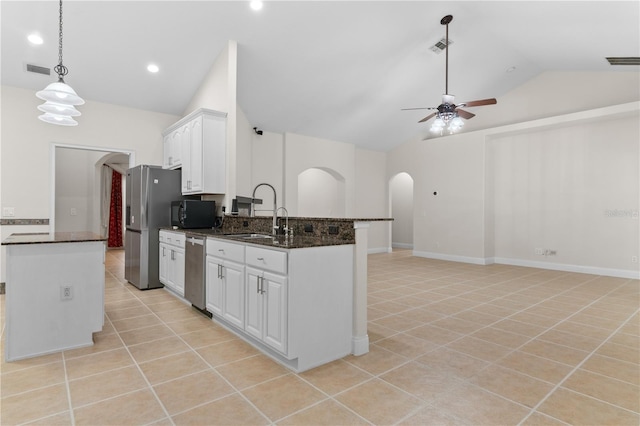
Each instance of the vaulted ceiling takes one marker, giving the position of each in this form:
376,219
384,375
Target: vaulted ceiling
340,70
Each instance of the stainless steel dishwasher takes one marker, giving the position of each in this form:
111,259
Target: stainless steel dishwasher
194,281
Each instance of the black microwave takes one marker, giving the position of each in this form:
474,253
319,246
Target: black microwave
193,214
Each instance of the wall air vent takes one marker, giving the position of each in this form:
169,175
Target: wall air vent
624,60
439,46
38,70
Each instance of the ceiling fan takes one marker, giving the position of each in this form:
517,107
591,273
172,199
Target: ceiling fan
448,113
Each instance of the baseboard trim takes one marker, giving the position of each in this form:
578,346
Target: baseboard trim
378,250
593,270
360,345
451,257
402,245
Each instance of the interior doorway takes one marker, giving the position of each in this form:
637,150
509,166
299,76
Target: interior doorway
77,185
321,193
401,209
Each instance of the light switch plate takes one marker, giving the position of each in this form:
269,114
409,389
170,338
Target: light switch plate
8,212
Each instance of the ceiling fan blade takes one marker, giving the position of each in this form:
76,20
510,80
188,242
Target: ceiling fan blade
480,102
465,114
427,117
411,109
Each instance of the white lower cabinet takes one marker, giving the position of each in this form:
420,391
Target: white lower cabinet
266,313
293,304
225,274
172,261
225,290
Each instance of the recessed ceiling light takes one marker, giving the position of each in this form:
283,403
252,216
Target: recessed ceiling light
35,39
256,4
153,68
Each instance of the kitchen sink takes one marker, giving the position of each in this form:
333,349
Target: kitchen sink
252,236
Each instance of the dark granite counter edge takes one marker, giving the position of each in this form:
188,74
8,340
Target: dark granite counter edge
325,219
56,237
9,222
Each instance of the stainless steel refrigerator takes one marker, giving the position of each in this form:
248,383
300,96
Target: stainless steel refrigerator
150,191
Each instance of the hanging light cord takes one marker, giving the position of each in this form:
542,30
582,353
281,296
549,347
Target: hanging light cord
60,69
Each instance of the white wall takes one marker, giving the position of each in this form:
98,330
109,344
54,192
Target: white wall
484,205
75,190
573,190
320,194
267,164
26,143
371,196
305,152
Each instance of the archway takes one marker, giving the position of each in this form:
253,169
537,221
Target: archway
401,209
321,193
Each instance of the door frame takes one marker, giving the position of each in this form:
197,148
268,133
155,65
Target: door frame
52,171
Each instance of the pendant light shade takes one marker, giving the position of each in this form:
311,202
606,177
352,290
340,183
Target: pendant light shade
60,120
59,97
60,93
59,109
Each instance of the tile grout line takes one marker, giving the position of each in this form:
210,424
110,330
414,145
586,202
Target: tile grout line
585,359
155,395
574,286
68,389
214,369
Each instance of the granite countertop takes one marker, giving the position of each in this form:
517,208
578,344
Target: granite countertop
279,241
308,231
48,238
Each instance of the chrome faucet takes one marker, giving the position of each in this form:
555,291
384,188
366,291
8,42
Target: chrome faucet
286,224
253,201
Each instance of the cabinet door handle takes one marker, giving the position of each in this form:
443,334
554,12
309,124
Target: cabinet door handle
173,255
258,285
163,252
261,285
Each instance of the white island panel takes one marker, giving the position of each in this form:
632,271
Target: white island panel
39,318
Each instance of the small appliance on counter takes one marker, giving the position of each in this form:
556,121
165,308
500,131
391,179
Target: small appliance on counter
190,214
241,206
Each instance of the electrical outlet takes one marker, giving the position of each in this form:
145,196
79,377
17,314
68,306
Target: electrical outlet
73,211
634,259
539,251
8,212
66,292
550,252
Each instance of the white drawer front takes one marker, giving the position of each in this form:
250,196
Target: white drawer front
225,250
173,238
273,260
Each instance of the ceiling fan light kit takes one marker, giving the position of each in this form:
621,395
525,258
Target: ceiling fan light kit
60,99
448,115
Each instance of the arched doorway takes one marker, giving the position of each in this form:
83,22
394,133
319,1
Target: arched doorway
401,206
321,193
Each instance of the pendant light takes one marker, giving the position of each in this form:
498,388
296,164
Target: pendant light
60,97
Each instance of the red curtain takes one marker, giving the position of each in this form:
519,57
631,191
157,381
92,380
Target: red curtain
115,212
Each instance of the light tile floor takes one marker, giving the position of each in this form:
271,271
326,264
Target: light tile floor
451,343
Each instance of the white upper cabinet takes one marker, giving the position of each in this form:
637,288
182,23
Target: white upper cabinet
172,149
201,138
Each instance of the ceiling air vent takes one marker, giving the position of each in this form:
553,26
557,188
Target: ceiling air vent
439,46
38,70
624,60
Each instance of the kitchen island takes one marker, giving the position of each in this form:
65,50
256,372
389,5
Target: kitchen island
54,292
317,277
